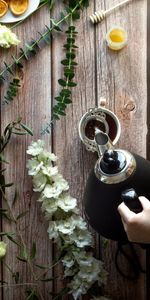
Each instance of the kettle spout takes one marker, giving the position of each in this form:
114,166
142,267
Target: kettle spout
103,142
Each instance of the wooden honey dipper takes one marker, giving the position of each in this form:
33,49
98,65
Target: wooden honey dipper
100,15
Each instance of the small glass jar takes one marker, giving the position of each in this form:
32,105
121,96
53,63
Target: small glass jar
116,38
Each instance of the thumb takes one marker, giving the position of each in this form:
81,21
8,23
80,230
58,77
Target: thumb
145,202
125,212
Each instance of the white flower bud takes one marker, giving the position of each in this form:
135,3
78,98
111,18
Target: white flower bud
3,249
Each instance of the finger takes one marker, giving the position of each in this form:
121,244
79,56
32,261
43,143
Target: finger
145,202
125,212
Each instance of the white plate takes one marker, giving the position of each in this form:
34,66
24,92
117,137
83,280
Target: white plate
10,18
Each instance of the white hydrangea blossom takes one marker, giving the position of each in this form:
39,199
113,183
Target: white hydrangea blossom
7,37
66,226
67,203
36,148
39,182
34,167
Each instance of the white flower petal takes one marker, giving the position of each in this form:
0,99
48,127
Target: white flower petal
39,182
36,148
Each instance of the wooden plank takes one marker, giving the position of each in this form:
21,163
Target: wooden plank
122,80
74,161
33,104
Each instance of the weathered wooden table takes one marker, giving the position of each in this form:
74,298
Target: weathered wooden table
120,77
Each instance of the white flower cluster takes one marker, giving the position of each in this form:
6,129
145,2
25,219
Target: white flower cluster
65,224
7,37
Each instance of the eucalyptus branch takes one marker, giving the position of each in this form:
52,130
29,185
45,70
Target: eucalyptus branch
31,48
69,63
13,87
18,284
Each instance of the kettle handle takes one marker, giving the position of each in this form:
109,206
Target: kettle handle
130,198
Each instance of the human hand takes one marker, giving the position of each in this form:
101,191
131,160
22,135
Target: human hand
137,226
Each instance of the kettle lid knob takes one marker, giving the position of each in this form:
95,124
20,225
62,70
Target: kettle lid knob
112,162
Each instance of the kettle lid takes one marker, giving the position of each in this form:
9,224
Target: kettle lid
98,118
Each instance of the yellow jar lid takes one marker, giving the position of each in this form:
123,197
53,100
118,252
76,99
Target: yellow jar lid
116,38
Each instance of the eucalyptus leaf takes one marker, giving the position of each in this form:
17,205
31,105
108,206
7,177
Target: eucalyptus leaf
26,128
13,240
62,82
16,277
24,253
21,259
33,251
21,215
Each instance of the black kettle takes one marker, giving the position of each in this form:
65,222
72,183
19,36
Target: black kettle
116,176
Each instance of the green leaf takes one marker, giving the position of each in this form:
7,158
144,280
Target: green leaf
16,277
67,100
3,159
21,215
24,253
70,55
55,116
8,184
70,40
65,62
6,234
33,251
41,267
21,259
73,63
65,92
15,197
49,279
26,128
62,106
62,82
4,213
56,27
69,73
58,98
31,294
75,15
62,113
72,84
18,132
13,240
8,68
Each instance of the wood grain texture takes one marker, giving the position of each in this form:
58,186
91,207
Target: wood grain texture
120,77
33,104
66,143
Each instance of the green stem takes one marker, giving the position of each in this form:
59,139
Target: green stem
10,270
41,38
18,284
45,272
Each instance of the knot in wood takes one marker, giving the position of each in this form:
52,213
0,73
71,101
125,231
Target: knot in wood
129,106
